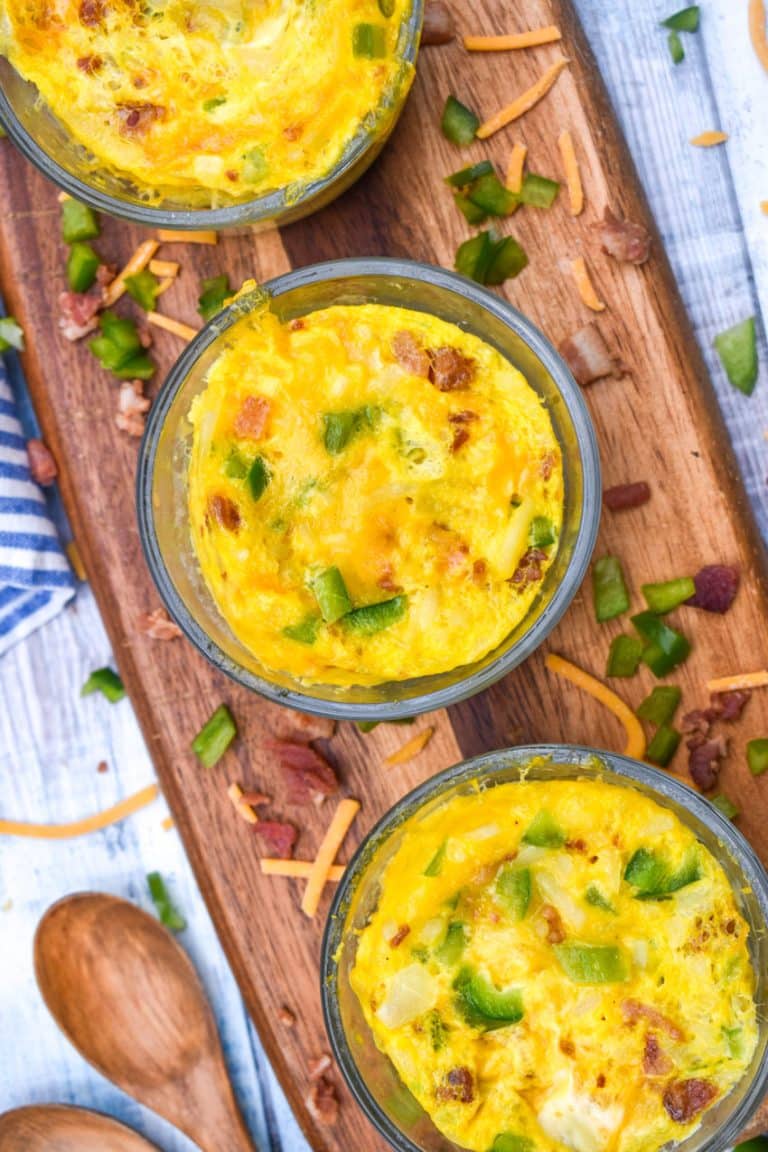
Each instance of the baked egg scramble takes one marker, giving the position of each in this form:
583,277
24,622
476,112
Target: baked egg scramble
558,965
235,98
374,494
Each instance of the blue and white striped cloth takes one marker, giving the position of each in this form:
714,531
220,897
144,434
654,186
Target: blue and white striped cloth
35,578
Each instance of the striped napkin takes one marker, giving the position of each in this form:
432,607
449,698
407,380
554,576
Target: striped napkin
35,578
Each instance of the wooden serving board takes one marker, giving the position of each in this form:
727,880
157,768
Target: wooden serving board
659,423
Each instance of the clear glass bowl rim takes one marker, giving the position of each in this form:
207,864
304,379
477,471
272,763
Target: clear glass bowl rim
586,441
268,207
583,759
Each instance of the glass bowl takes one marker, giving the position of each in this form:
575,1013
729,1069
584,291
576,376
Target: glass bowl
164,453
44,140
387,1103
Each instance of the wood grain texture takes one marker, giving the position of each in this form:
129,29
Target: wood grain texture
55,1128
658,423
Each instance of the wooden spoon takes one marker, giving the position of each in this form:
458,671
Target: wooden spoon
127,997
56,1128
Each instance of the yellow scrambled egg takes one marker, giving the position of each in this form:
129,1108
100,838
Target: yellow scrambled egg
374,494
237,97
558,965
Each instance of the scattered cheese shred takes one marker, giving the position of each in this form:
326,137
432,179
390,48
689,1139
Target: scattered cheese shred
103,819
532,39
170,325
764,206
164,267
299,869
585,286
572,174
167,823
516,167
635,745
709,139
164,285
137,262
740,682
411,748
169,236
524,102
235,794
332,841
76,560
757,31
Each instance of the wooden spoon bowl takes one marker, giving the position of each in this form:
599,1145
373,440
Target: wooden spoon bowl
57,1128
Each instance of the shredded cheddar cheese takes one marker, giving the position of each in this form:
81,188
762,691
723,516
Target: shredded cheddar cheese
764,206
235,794
740,682
298,869
164,285
137,262
635,745
332,841
76,560
516,167
410,749
532,39
709,139
757,31
164,267
94,823
524,102
572,174
175,326
168,236
167,823
585,286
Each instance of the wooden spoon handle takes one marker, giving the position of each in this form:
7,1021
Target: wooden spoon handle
213,1119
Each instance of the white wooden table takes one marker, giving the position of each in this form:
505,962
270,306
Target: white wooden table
707,204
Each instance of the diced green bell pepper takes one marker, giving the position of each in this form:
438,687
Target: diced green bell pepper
387,8
342,427
513,886
538,191
466,176
471,213
369,40
512,1142
305,632
662,598
452,947
215,737
11,334
372,618
594,896
544,831
436,1029
541,532
255,166
435,866
737,349
624,656
757,756
663,745
143,288
474,257
592,963
666,647
78,222
659,708
213,102
686,20
106,681
484,1005
215,291
258,478
725,805
609,590
235,466
82,265
675,46
489,194
459,123
508,260
166,910
652,877
331,594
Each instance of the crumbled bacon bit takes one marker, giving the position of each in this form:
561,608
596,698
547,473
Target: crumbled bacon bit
386,580
42,465
634,1010
586,354
400,935
132,407
92,12
479,571
555,929
621,497
705,760
319,1065
600,1080
457,1085
566,1046
460,437
251,420
464,417
224,511
438,27
90,65
139,81
305,770
232,174
279,836
626,241
137,118
256,799
285,1016
699,720
716,588
684,1099
529,569
576,845
297,324
293,131
410,353
546,465
288,724
655,1060
728,706
78,314
322,1101
157,625
102,766
450,370
105,274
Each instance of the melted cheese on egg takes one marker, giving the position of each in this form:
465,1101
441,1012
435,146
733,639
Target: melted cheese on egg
433,501
606,1064
234,98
